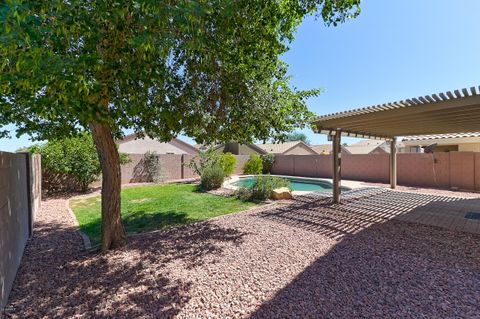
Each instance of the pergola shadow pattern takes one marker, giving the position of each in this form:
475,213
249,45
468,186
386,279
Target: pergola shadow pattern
362,208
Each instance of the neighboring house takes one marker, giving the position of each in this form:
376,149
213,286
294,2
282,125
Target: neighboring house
130,144
326,149
462,142
368,147
241,149
322,149
288,148
234,148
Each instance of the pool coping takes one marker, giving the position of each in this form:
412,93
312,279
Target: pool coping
347,183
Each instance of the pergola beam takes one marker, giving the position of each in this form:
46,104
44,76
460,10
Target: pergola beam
393,163
457,112
337,166
409,110
441,114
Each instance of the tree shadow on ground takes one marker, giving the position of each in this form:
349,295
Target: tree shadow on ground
381,267
140,222
58,279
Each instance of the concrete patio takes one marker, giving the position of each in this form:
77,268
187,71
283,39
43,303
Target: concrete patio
367,206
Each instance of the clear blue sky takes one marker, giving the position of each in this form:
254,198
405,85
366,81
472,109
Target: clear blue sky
393,50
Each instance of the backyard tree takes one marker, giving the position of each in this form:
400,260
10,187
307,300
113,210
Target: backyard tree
297,136
207,68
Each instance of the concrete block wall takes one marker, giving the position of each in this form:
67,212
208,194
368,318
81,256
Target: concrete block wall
20,191
459,170
172,165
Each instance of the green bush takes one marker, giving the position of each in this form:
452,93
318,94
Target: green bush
203,160
210,158
261,188
228,162
253,165
212,177
267,163
70,164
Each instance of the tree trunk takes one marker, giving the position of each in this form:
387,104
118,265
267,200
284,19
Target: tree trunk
113,233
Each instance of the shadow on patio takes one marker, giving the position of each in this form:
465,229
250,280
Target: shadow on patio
365,207
381,266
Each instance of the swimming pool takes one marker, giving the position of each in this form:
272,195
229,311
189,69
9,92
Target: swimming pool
295,184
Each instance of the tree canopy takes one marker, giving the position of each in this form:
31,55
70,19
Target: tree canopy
297,136
208,69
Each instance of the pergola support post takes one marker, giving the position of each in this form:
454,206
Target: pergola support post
337,166
393,163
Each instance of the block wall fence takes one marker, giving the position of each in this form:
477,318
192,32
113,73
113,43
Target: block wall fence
459,170
173,167
20,197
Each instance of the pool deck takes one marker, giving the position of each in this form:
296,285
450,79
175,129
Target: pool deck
350,184
432,207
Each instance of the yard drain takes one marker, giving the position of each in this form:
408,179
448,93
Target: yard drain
472,215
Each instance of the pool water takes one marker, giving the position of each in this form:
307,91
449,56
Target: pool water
295,184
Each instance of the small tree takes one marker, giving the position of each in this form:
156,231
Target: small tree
154,167
207,69
203,160
297,136
74,158
267,163
253,165
228,163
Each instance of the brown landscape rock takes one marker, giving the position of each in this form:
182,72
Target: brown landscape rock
281,193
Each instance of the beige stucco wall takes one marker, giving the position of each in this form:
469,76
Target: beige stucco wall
143,145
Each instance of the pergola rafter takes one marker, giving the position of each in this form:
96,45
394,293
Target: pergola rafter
439,113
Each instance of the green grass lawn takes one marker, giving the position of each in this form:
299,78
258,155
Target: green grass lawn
147,208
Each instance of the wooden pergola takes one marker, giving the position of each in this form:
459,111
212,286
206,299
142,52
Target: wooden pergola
456,112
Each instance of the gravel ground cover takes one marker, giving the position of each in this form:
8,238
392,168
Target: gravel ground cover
299,260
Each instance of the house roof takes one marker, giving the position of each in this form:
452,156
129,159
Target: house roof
281,148
322,148
174,141
430,114
440,136
364,147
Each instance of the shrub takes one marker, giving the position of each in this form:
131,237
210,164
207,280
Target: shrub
253,165
267,163
70,164
212,177
212,158
228,162
153,167
261,188
203,160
